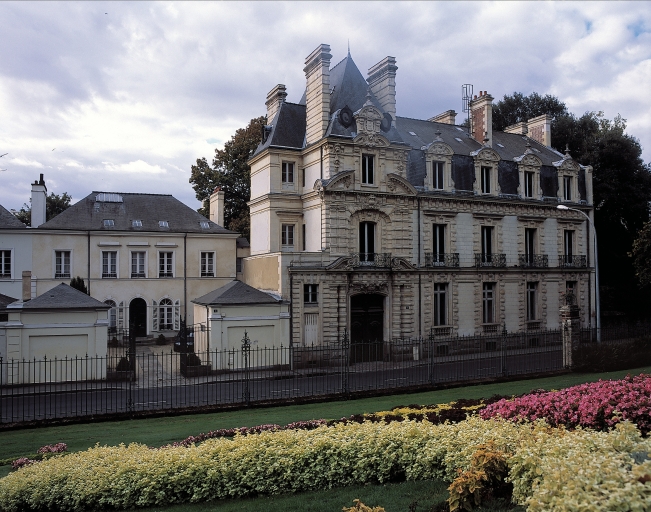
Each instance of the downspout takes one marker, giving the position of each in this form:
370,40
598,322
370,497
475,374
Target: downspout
185,278
88,263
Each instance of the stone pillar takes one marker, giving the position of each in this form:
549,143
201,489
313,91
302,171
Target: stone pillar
571,330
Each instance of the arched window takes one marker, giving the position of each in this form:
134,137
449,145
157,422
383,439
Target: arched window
112,315
165,315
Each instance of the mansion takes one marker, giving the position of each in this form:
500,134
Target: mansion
391,227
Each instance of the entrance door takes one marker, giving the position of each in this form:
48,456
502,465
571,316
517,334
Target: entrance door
138,317
366,327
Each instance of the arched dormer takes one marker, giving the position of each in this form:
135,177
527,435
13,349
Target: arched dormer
438,161
529,175
486,161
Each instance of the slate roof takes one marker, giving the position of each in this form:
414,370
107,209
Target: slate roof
242,243
64,297
89,214
235,293
9,221
5,300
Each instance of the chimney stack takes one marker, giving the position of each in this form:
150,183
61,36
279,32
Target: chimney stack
447,117
382,81
517,128
481,119
317,97
27,285
39,194
217,206
275,99
540,129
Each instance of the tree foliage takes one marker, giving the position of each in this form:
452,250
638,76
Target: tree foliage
641,254
231,172
54,205
78,283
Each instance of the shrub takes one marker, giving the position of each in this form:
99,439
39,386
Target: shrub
53,448
359,506
161,340
123,365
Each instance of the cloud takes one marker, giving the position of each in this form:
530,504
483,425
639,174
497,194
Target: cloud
137,167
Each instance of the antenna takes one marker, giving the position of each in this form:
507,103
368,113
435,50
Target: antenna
466,97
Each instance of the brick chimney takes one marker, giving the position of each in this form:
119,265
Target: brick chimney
447,117
540,129
382,81
275,99
481,119
217,206
39,194
317,97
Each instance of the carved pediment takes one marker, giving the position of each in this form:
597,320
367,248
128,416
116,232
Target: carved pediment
486,154
567,164
528,160
396,183
372,287
438,148
398,263
341,181
371,140
368,119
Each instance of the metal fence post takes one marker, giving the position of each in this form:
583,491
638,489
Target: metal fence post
503,354
132,369
246,351
345,361
430,350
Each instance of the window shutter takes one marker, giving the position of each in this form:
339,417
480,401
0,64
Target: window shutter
154,315
177,315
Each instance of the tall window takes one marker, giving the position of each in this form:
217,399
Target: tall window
165,315
488,303
487,244
238,265
568,245
437,175
5,264
61,264
287,236
571,292
567,188
303,238
532,289
207,264
529,245
486,180
367,241
109,264
288,172
438,246
165,264
368,176
112,315
137,264
310,293
440,304
528,184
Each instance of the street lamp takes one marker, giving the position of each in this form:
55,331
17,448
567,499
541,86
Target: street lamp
596,268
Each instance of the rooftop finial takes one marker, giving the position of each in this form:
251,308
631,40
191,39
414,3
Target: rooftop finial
349,47
567,150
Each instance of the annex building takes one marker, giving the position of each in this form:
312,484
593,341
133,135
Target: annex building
391,227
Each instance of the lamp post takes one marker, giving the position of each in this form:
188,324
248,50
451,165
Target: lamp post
596,267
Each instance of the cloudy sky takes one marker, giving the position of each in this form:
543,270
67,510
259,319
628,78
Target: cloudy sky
126,96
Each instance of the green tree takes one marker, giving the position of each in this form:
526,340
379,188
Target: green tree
78,283
230,171
520,108
54,205
641,254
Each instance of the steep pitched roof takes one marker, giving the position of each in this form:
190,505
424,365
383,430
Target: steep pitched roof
123,208
64,297
5,300
234,293
9,220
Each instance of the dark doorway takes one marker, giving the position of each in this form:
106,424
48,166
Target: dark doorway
138,317
366,327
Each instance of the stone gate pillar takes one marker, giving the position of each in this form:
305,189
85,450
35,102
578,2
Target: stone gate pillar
570,327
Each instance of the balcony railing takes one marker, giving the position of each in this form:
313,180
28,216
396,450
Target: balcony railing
371,259
533,260
439,259
572,261
137,275
109,275
490,260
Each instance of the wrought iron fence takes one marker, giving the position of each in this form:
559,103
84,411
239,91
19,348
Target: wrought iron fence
135,379
438,259
371,259
490,260
533,260
572,261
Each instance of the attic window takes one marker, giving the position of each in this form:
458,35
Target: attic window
500,145
107,197
136,223
204,224
412,133
163,224
109,223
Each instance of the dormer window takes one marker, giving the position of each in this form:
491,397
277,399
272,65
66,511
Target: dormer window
204,224
567,188
163,224
368,175
109,223
437,175
486,180
136,223
528,184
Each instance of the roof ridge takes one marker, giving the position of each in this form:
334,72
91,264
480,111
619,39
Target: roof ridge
129,193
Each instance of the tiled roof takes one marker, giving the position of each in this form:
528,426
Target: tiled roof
9,221
234,293
5,300
64,297
124,208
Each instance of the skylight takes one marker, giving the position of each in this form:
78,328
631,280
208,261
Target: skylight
457,138
204,224
136,223
460,129
108,197
412,133
500,145
109,223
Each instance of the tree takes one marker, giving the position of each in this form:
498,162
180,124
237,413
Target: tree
54,205
519,108
641,254
232,173
78,283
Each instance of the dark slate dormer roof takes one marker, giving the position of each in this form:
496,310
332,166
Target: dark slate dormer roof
9,221
5,300
287,128
89,214
64,297
242,243
235,293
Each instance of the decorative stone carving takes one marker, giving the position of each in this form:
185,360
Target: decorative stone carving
371,140
338,151
438,148
375,287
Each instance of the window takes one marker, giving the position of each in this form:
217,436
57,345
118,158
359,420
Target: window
61,264
207,264
204,224
287,236
137,264
368,177
109,264
532,289
437,175
238,265
567,188
485,180
288,172
5,264
165,315
438,246
109,223
440,301
568,245
486,243
112,315
528,184
529,245
136,223
310,293
488,303
303,237
571,293
303,174
367,241
165,264
163,224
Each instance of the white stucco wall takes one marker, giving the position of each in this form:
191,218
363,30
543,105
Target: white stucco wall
19,242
